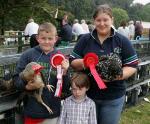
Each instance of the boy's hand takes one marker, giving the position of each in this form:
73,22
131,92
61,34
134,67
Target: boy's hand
65,66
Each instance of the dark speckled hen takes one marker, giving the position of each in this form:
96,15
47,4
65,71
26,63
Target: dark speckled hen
109,67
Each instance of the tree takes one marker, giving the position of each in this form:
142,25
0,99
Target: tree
144,13
124,4
134,11
119,16
80,8
14,14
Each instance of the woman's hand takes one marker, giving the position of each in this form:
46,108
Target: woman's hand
65,66
119,77
78,64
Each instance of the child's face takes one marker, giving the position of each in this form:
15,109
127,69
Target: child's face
47,40
103,23
78,93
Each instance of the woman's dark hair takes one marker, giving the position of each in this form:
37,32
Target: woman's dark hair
103,9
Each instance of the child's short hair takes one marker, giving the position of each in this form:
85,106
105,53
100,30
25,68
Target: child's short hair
48,27
80,79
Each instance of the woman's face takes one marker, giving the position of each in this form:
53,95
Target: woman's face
103,23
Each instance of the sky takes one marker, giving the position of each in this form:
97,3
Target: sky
141,1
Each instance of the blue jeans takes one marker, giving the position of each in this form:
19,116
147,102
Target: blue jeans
109,111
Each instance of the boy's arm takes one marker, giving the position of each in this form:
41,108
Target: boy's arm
92,116
63,115
19,83
66,85
66,79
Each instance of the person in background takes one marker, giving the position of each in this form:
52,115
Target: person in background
31,30
77,29
138,30
104,41
84,26
78,108
90,26
124,30
131,29
34,112
61,20
65,34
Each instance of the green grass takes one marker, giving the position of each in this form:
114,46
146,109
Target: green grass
139,114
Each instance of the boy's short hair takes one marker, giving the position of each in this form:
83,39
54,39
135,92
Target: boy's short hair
80,79
48,27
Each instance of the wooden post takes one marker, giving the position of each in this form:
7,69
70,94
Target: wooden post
134,96
20,42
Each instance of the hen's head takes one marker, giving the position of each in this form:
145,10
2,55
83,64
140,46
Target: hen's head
31,70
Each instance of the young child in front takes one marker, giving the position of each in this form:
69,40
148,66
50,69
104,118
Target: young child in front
78,108
34,112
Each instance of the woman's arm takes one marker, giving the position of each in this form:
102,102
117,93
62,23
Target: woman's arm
127,72
77,64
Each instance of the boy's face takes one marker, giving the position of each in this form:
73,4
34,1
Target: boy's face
78,93
47,40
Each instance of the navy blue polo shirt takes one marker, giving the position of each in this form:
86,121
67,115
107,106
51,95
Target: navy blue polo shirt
115,43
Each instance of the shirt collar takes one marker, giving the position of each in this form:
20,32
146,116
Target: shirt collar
84,99
94,34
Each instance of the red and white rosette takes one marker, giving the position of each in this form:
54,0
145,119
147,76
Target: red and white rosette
56,61
90,61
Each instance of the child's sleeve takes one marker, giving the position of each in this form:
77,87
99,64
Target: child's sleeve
63,115
66,85
19,83
92,115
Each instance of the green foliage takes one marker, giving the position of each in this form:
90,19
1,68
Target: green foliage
14,14
134,12
119,16
140,12
80,8
124,4
145,13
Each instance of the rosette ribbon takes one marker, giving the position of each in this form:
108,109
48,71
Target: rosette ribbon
56,61
90,60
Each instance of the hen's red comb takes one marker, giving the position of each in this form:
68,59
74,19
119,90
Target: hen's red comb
37,68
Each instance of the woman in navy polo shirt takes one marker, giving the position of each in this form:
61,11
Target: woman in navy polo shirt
103,40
